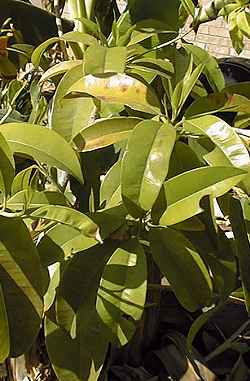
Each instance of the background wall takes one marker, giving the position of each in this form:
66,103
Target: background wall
214,37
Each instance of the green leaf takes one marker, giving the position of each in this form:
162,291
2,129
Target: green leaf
4,329
180,262
105,132
223,136
235,32
61,242
39,143
67,216
218,102
100,60
184,192
122,291
7,166
184,88
66,362
38,52
158,66
189,7
145,169
22,179
82,38
69,116
243,20
239,218
110,182
121,89
36,200
59,68
230,150
22,286
85,39
211,67
69,78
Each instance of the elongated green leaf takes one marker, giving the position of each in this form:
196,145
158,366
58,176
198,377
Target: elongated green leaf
144,169
60,242
21,281
110,182
211,68
82,38
79,287
85,39
69,78
59,68
42,144
69,116
4,329
22,179
38,52
184,192
122,290
105,132
239,218
36,200
180,262
158,66
218,102
223,136
7,166
121,89
189,7
100,60
243,20
187,84
67,216
66,362
229,150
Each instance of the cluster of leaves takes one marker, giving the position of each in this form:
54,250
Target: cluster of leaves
235,13
129,163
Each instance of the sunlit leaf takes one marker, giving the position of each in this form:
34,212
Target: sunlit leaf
121,89
211,67
184,192
40,143
105,132
180,262
122,290
67,216
99,60
7,166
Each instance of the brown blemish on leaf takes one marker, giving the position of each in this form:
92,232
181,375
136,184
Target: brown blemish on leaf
124,88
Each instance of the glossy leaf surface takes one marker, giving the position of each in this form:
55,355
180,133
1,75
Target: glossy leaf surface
122,290
140,186
105,132
180,262
40,143
67,216
211,67
229,150
184,192
119,88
